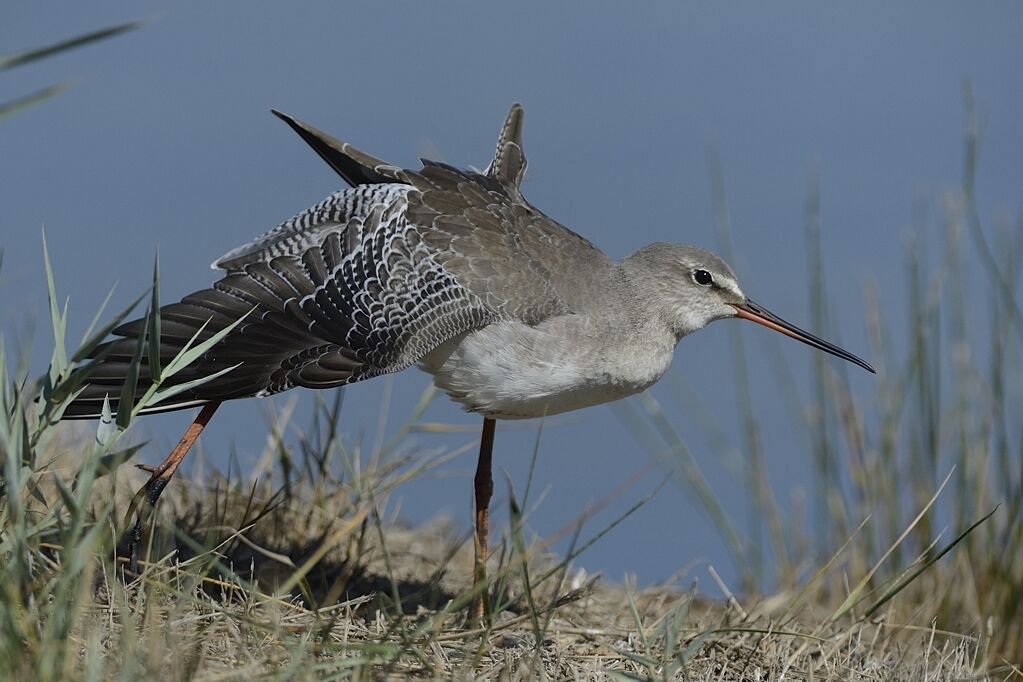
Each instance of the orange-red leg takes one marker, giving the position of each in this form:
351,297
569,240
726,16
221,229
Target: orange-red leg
144,501
484,485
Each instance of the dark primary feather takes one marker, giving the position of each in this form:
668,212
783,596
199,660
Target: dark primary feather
367,300
366,282
355,166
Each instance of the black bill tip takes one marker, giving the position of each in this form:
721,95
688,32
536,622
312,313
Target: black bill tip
756,313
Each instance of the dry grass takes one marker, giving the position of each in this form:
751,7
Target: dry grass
390,605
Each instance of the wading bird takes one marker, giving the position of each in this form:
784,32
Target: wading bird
514,315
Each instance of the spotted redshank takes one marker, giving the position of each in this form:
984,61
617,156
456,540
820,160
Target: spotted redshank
514,315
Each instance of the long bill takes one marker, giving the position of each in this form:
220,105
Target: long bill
756,313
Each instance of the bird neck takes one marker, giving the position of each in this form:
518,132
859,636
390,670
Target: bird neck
652,302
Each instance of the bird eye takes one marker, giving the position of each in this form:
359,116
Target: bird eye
702,277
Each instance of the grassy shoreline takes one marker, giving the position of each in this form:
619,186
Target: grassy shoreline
219,600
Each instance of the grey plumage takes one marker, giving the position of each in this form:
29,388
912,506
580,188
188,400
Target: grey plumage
512,313
366,282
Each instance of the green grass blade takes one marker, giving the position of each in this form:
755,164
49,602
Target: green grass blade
190,353
520,556
27,56
898,587
59,363
171,391
13,106
154,323
92,340
108,464
95,320
126,401
819,573
857,593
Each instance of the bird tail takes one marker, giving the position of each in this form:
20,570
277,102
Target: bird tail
200,359
509,162
246,335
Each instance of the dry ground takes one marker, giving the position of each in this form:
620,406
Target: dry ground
295,592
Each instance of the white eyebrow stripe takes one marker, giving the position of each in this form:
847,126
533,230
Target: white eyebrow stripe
730,285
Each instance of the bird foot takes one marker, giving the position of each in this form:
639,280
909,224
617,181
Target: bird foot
138,520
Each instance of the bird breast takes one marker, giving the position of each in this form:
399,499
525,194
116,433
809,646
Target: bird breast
511,370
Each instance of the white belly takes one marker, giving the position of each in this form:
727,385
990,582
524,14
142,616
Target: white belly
510,370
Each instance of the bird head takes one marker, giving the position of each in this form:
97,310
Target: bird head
691,288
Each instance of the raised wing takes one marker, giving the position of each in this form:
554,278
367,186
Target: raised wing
368,300
308,228
373,180
369,280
